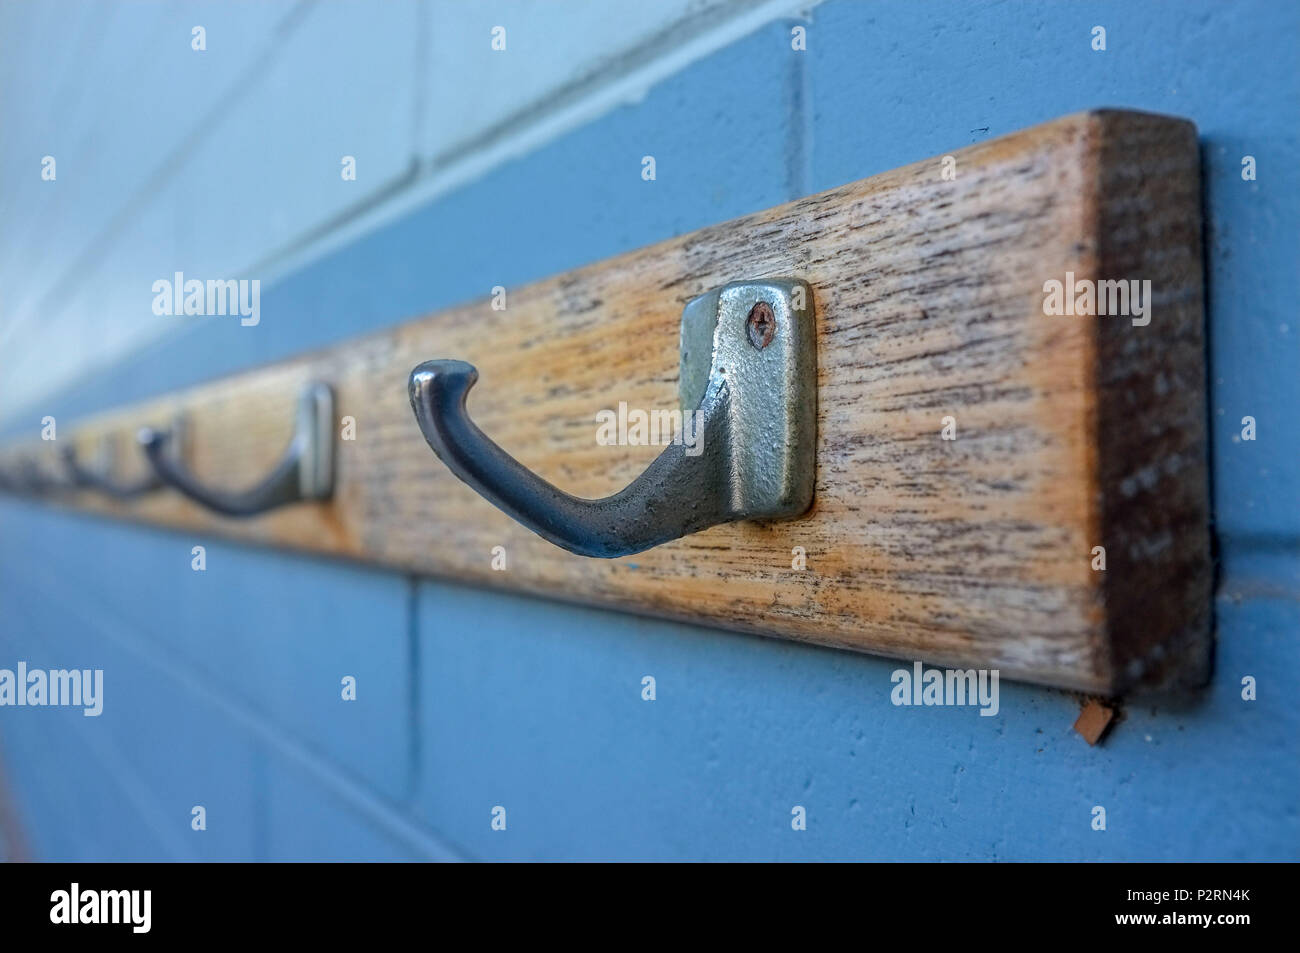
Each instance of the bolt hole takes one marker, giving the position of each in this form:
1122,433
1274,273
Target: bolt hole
760,326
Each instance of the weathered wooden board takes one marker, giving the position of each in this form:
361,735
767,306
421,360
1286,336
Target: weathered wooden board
1071,431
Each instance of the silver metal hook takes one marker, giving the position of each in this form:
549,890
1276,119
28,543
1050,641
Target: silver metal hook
30,479
100,478
86,478
748,369
304,473
26,479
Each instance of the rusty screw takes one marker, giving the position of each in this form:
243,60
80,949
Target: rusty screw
761,325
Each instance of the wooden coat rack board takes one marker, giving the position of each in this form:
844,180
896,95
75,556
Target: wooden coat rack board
1072,432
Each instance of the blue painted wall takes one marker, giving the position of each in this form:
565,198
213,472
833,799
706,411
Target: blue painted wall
222,687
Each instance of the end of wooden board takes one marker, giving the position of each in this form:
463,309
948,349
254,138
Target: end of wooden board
1152,464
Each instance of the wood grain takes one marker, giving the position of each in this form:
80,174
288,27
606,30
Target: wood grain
1072,431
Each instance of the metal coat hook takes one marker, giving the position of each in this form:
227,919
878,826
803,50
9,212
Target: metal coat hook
32,479
748,369
26,480
12,482
305,473
100,478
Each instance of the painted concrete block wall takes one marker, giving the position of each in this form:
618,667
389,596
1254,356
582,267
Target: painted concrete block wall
222,686
211,138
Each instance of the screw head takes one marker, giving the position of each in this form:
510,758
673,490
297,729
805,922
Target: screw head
761,325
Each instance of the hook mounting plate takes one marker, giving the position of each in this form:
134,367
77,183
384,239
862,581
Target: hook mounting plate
759,338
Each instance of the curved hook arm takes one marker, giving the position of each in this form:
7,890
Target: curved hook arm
85,478
305,472
676,495
31,480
